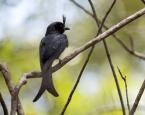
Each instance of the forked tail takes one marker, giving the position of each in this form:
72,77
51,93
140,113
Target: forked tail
47,84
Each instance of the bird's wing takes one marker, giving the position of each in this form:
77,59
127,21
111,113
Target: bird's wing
51,47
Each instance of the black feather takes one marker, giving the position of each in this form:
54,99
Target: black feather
51,47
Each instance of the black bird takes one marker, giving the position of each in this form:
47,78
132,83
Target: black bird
51,46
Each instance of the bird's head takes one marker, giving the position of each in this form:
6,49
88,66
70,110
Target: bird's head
57,27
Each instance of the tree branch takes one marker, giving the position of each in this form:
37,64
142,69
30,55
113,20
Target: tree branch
9,83
99,38
134,53
140,93
77,82
81,7
3,105
95,16
125,82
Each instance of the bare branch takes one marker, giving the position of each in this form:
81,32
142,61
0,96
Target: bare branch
81,7
140,93
125,82
77,82
94,14
7,77
3,105
106,15
134,53
115,78
9,83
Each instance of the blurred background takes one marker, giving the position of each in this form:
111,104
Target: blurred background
23,24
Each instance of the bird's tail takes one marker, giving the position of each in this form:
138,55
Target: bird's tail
47,84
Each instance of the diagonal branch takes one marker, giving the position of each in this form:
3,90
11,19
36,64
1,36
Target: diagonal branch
81,7
115,77
106,15
77,82
95,16
3,105
134,53
140,93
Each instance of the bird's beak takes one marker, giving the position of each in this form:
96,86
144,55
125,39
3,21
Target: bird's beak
66,28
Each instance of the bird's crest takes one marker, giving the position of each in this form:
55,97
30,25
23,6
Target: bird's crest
64,19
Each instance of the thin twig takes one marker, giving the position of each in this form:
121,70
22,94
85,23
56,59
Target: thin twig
81,7
95,16
7,77
140,93
134,53
9,83
76,84
106,15
3,105
125,82
115,78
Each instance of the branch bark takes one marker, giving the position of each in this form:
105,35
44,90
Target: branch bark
140,93
3,105
10,85
77,82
